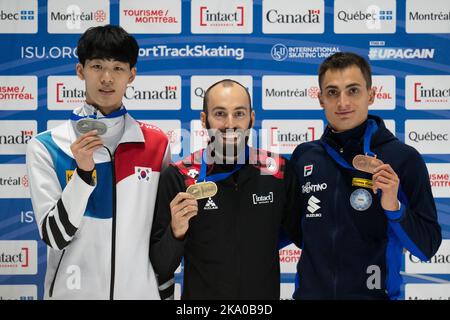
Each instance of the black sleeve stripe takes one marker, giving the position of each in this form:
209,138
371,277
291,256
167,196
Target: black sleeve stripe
64,218
167,292
45,237
56,233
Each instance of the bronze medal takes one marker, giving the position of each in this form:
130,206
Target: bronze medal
202,190
366,163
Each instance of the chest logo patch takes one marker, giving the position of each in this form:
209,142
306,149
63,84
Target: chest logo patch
360,199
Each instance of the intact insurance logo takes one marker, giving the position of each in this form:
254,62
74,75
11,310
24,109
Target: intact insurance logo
287,16
427,17
20,16
18,257
282,136
379,51
65,92
14,135
364,16
76,16
290,93
428,136
150,17
216,16
427,92
18,93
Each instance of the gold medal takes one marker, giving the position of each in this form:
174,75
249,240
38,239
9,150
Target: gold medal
366,163
202,190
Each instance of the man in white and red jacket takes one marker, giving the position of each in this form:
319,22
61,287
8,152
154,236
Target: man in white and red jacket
94,192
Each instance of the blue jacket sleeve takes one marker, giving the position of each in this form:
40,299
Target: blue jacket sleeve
416,224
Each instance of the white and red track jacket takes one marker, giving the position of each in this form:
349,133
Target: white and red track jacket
98,235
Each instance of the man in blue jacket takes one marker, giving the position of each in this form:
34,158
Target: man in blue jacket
366,195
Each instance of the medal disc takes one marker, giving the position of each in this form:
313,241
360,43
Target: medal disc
360,199
366,163
85,125
202,190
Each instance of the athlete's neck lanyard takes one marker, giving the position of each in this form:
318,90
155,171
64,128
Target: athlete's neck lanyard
370,130
112,115
218,176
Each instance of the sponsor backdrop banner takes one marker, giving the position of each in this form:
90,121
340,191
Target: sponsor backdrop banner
274,47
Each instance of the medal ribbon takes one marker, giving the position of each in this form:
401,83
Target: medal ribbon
112,115
370,130
218,176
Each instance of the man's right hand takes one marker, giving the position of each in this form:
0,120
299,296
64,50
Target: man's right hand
83,150
182,208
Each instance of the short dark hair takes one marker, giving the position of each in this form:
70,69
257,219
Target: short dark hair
224,83
344,60
108,42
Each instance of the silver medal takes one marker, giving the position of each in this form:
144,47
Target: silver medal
85,125
360,199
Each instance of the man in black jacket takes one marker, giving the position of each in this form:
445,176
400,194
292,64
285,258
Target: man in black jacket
365,195
230,239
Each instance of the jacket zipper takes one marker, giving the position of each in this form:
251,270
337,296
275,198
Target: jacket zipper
334,236
56,273
113,236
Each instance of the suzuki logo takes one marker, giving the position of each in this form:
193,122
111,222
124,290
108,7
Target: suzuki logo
313,204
